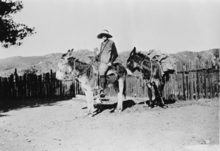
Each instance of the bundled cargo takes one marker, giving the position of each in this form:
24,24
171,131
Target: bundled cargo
166,61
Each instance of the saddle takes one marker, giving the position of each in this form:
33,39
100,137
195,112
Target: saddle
112,74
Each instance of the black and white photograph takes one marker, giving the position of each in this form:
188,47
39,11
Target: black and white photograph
109,75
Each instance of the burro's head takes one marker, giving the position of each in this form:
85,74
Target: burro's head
131,61
65,68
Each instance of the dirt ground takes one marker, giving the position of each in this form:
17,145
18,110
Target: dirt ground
62,126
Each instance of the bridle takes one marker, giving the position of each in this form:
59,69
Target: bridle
141,64
142,68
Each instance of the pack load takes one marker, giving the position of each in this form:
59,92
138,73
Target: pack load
166,61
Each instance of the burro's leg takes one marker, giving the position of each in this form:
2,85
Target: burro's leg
120,94
90,101
159,97
160,92
150,95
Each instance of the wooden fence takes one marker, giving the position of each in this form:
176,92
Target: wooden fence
135,87
35,86
191,81
194,80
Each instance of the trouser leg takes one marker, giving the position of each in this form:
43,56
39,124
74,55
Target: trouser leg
102,83
102,79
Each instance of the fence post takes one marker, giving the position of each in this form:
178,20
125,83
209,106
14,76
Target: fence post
183,76
1,88
204,72
187,81
198,81
218,84
51,83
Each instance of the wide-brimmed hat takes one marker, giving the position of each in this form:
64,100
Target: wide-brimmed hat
104,33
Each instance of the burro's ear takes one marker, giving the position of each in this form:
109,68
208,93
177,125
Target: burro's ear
133,51
67,55
69,52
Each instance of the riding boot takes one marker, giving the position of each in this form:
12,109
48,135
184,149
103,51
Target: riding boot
102,86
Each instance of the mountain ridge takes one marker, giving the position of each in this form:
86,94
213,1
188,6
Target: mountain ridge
47,62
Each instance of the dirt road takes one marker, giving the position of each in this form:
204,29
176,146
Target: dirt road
61,126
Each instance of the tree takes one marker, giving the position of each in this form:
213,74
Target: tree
216,53
216,59
12,33
31,70
199,61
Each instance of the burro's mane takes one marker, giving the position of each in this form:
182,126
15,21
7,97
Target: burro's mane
142,55
144,59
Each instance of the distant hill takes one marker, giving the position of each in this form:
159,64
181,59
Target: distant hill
189,55
45,63
42,64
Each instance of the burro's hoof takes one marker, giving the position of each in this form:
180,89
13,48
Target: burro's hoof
150,106
98,100
165,106
89,114
118,111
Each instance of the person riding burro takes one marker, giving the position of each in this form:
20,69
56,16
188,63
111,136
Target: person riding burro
106,56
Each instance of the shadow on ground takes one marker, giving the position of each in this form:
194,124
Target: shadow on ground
169,101
126,104
166,101
2,115
102,107
17,104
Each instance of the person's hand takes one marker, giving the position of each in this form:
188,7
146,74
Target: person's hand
97,58
109,64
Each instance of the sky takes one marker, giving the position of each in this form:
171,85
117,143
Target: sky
167,25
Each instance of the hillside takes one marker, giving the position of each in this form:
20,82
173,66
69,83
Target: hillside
189,55
43,64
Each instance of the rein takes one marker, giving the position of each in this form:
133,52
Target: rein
81,73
